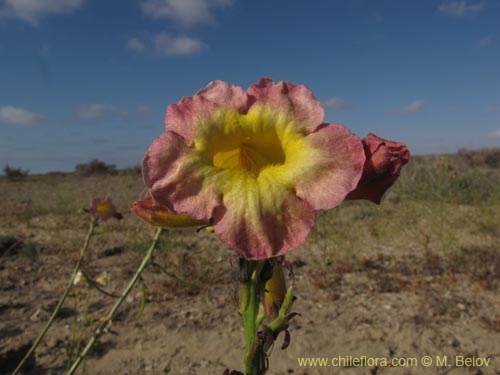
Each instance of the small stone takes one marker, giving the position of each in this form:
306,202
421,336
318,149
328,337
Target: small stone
36,316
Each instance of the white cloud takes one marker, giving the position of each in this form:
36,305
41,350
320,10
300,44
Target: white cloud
145,109
96,110
460,8
414,106
337,104
494,134
167,45
485,41
32,10
19,116
135,45
185,12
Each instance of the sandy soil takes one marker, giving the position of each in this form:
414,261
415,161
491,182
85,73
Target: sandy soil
383,307
416,276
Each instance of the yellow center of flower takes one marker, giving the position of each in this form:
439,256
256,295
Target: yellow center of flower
248,151
102,208
249,143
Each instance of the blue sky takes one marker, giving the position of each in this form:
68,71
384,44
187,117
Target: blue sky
85,79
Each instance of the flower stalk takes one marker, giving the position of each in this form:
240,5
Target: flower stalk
251,296
102,328
93,222
262,322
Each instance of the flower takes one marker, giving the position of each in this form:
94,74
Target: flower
103,209
384,160
259,164
79,278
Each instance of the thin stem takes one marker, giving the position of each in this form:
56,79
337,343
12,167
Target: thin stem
92,224
93,284
99,331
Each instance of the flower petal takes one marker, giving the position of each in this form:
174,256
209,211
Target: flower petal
336,170
179,180
296,100
185,116
262,219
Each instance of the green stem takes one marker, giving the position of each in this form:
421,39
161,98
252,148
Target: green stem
258,330
99,331
252,295
61,300
280,323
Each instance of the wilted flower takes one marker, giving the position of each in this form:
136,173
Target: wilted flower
257,163
384,160
103,209
154,214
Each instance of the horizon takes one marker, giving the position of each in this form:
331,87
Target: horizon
83,79
138,165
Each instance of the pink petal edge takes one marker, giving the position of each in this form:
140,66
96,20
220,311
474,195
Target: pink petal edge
184,116
341,167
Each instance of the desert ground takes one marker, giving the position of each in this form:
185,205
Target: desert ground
418,275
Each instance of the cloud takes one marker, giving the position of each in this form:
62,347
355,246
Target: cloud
492,109
485,41
167,45
32,10
145,110
414,106
460,8
19,116
136,45
184,12
494,134
163,44
96,110
337,104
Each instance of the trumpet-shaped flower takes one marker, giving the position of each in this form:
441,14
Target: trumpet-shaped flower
258,164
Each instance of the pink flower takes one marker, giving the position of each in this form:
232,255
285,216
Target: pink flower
384,160
258,164
103,209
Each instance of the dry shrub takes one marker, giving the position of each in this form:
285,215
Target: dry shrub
15,174
95,166
486,157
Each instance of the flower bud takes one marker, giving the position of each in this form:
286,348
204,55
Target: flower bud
384,160
158,216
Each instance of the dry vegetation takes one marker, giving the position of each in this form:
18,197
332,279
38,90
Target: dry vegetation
417,275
